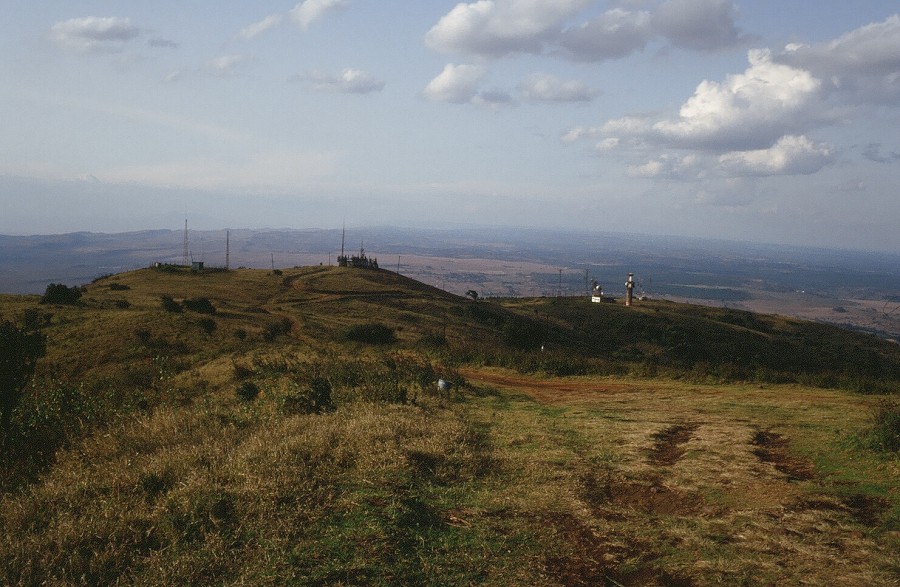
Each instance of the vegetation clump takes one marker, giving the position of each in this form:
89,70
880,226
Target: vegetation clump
371,333
885,433
20,348
199,305
170,305
247,391
57,293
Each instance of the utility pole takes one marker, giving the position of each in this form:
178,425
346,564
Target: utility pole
227,249
184,257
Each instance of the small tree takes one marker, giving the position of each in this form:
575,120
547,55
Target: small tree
58,293
20,348
472,294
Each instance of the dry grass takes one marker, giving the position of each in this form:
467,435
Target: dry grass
681,484
515,480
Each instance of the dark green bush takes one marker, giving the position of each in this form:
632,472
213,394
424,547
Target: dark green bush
208,325
20,349
119,287
199,305
275,329
57,293
170,305
372,333
247,391
315,399
122,304
885,433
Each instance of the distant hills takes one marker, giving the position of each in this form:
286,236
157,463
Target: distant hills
853,289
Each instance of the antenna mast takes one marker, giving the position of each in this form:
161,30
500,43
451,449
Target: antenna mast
227,248
185,254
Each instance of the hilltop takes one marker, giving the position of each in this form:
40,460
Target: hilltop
285,426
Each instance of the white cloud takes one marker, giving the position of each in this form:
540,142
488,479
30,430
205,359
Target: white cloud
493,28
543,87
614,34
862,66
606,145
257,28
93,33
580,132
456,83
350,81
747,110
698,24
309,11
668,166
224,65
791,155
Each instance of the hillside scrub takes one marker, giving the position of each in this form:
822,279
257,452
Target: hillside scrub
148,452
20,349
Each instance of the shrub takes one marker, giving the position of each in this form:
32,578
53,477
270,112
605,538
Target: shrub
119,287
315,399
885,433
170,305
57,293
20,349
240,334
208,325
122,304
247,391
372,333
275,329
199,305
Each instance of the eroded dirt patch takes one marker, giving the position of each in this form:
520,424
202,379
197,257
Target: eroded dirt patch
668,445
867,509
774,448
596,561
609,497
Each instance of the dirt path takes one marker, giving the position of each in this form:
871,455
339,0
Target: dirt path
651,471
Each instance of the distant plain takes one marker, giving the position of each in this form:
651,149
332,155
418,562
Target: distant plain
855,289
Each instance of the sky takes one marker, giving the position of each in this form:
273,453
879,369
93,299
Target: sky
766,121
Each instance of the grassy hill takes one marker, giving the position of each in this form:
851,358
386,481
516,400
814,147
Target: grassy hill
256,427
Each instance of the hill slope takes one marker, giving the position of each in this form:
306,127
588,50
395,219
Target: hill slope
251,427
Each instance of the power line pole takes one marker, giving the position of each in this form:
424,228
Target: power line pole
184,257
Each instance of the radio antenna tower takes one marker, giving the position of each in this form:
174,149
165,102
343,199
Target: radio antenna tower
186,251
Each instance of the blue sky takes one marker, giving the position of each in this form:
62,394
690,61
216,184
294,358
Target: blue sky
765,121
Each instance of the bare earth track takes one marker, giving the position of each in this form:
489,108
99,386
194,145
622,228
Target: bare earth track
672,484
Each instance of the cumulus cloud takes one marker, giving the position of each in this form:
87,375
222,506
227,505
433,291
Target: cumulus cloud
93,33
257,28
614,34
791,155
747,110
863,65
349,81
309,11
457,84
544,87
697,24
493,28
668,166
